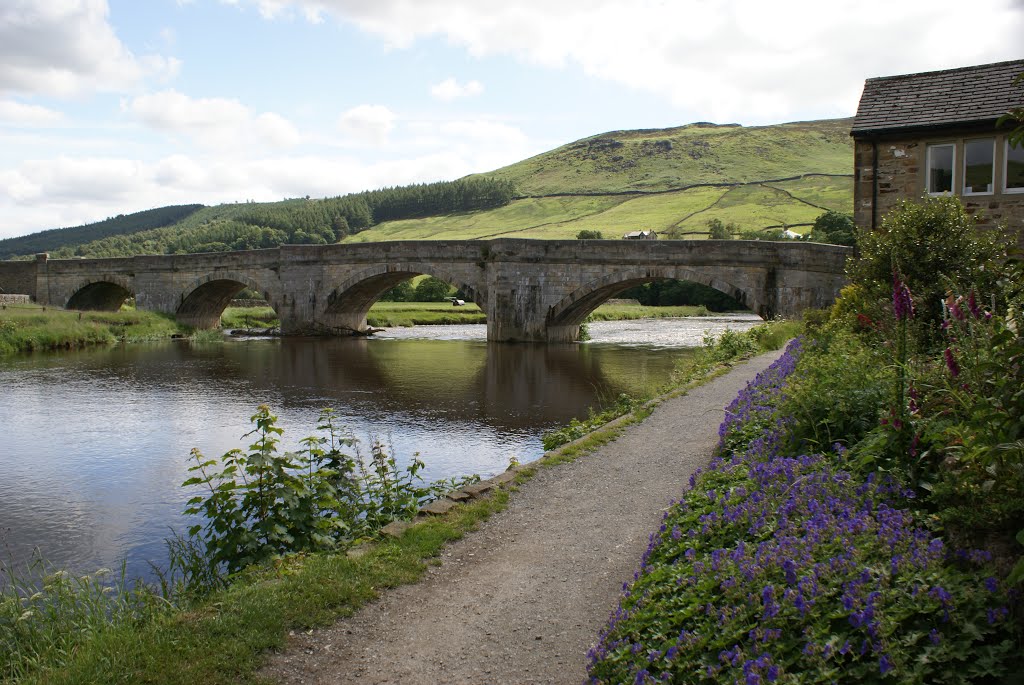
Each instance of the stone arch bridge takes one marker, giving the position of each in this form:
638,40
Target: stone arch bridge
531,290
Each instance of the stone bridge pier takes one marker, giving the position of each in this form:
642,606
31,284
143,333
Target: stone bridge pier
531,290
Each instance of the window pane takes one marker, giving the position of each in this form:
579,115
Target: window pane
940,168
978,162
1014,167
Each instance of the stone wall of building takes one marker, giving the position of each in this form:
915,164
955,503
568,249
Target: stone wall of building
901,169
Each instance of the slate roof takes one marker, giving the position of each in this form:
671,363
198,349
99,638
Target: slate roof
937,99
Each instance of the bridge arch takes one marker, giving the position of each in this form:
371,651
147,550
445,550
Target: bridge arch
347,305
564,317
205,299
105,294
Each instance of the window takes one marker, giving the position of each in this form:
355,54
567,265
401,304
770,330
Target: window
1013,176
979,163
940,168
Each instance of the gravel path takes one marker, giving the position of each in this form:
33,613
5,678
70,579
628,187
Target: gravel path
522,599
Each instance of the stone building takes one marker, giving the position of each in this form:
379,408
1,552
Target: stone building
935,133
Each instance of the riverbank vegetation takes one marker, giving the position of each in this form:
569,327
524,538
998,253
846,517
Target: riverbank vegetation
32,328
200,625
864,517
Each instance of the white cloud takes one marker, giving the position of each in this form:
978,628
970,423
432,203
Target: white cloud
277,130
212,122
450,89
28,115
729,60
369,124
68,47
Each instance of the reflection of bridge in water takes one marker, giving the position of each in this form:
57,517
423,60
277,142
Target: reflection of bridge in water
531,290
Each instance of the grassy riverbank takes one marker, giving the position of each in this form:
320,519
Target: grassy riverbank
220,637
401,314
30,328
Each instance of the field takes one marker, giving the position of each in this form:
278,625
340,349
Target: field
680,214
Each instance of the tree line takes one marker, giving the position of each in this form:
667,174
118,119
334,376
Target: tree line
56,238
324,221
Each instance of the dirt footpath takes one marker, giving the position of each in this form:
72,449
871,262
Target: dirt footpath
523,598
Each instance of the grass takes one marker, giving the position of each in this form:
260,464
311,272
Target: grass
30,328
625,312
685,213
222,639
392,314
669,159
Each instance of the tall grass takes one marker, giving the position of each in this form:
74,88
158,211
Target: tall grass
30,328
45,614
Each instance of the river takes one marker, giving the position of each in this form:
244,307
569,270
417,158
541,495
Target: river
95,443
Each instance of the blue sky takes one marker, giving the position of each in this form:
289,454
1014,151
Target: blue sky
114,106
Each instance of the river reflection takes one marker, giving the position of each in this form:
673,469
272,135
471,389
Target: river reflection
94,444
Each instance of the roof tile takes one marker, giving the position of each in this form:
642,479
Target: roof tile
954,96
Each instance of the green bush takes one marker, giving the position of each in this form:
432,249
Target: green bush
833,227
935,245
266,503
431,289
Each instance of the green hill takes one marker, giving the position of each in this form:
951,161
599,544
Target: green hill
669,180
698,154
673,181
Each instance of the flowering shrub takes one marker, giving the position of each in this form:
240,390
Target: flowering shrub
776,568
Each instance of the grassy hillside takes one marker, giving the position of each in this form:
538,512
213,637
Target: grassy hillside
669,159
670,180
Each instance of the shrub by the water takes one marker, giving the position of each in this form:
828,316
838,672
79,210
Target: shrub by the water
265,503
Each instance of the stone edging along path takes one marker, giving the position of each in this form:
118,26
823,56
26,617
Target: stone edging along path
522,598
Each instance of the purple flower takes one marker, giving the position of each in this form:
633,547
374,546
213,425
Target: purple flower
884,665
954,368
902,302
972,304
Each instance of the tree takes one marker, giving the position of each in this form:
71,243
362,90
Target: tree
586,234
718,230
835,228
402,292
431,289
1016,137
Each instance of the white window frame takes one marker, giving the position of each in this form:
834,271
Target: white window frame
928,170
965,191
1006,168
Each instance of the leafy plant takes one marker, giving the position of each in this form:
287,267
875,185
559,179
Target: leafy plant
265,503
834,227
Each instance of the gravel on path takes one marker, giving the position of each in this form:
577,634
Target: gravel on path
522,599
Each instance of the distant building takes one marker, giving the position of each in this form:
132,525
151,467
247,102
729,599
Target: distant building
640,235
935,133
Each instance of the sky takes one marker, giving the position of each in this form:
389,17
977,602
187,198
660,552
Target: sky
116,106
